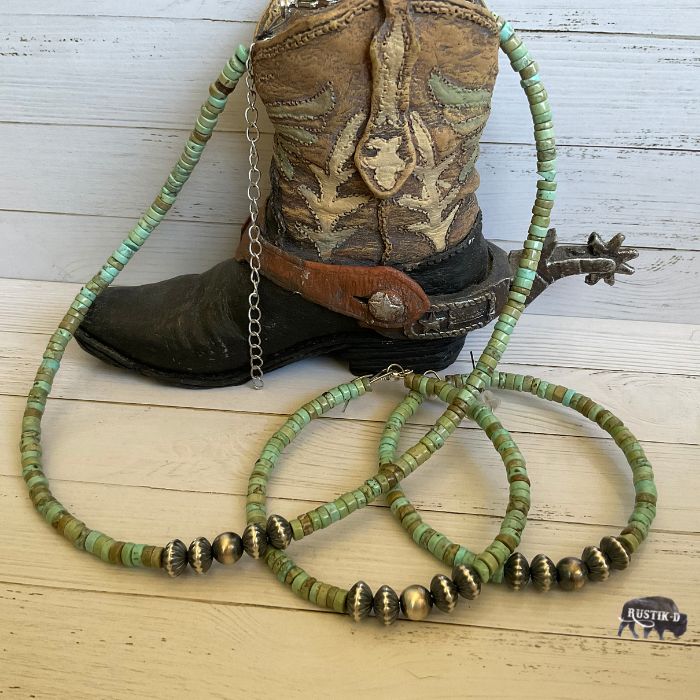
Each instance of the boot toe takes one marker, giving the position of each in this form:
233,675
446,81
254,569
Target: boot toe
168,330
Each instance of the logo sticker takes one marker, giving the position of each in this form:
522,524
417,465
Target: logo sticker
653,613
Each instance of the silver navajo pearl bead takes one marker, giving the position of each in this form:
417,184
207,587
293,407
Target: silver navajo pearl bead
516,571
255,541
615,551
227,548
386,605
174,558
467,581
359,601
199,555
572,573
444,592
597,563
543,572
279,532
416,602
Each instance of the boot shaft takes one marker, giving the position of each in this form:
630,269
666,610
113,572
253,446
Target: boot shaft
378,107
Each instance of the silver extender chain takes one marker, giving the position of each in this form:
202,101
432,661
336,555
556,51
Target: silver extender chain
254,245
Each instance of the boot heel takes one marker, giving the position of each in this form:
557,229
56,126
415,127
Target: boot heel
369,355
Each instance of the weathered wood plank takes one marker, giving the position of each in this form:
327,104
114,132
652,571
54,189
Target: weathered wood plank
204,451
650,404
626,16
55,169
58,169
370,547
39,248
662,290
541,340
374,548
183,650
598,84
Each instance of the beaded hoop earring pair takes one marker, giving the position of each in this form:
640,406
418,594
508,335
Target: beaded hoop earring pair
266,537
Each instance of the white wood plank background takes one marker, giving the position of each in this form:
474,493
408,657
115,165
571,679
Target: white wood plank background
643,17
87,147
87,142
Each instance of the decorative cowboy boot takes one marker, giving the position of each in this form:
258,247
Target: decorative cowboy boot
371,246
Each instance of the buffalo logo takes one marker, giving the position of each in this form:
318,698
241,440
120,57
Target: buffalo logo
652,613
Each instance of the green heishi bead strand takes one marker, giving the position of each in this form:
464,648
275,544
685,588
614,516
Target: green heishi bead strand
451,553
520,287
96,543
644,511
460,405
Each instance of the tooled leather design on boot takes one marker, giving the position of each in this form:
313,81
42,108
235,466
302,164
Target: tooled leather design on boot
378,107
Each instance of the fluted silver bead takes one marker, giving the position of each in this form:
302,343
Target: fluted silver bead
227,548
174,558
516,571
615,551
199,555
598,564
255,541
279,532
572,573
359,602
467,581
543,572
445,593
386,605
416,602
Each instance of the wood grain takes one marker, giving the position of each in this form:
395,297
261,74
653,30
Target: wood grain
600,189
470,476
626,91
153,463
626,16
658,399
542,341
370,547
145,638
663,289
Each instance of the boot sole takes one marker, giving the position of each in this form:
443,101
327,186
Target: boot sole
365,355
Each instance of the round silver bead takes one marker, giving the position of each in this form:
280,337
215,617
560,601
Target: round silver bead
445,593
255,541
199,555
572,573
174,558
597,563
359,601
516,571
227,548
279,532
467,581
416,602
615,551
386,605
543,572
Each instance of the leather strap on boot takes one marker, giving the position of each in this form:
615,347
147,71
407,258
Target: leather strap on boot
388,300
384,298
378,296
